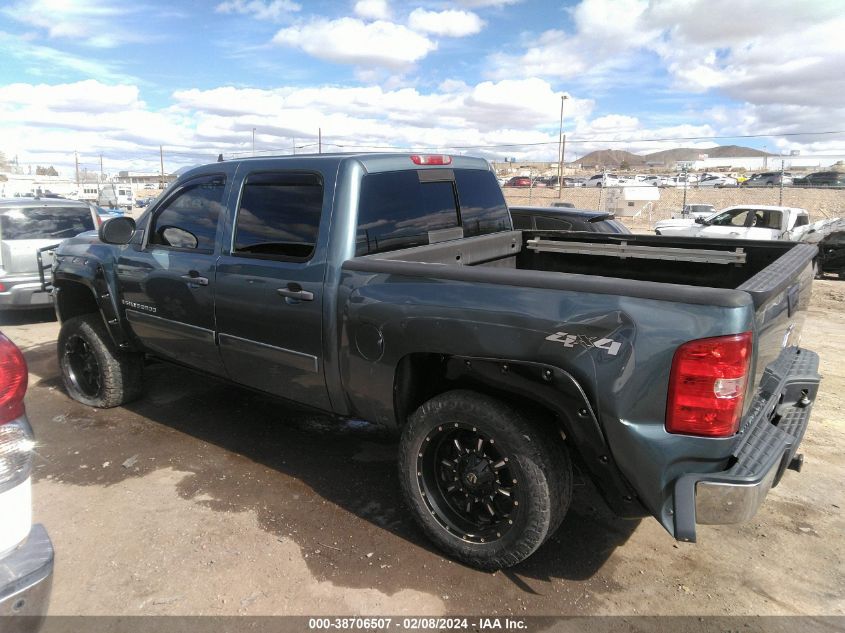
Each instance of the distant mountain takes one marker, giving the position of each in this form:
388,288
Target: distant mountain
614,157
671,156
611,158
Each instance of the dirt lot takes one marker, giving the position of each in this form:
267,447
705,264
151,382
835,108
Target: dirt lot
202,498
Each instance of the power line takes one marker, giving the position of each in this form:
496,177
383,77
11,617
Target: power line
570,139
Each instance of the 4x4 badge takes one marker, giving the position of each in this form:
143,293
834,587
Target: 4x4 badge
571,340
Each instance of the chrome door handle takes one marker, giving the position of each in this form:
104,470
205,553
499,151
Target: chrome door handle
196,279
295,291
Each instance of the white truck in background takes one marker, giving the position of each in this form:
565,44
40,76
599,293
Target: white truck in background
761,222
116,197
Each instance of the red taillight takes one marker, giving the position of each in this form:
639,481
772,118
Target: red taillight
431,159
707,385
2,287
13,379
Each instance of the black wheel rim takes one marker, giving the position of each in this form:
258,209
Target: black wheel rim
468,483
82,366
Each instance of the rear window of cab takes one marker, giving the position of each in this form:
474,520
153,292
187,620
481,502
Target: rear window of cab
412,208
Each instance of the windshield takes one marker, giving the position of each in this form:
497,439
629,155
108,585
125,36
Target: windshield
45,222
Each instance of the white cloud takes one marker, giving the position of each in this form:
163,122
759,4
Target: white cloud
486,3
604,31
91,22
44,123
352,41
783,65
372,9
47,62
448,23
260,9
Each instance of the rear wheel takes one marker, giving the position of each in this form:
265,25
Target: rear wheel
486,485
94,371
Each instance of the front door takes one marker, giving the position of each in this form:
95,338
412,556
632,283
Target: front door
168,286
731,224
270,286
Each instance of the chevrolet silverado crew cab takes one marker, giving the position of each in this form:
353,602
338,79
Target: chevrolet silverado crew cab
393,288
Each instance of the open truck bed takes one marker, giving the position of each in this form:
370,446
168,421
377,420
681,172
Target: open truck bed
610,311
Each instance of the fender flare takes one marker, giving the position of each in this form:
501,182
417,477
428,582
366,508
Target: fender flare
558,391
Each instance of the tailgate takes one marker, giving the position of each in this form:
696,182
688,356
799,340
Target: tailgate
781,294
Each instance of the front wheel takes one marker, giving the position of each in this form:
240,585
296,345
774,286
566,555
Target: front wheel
94,371
487,486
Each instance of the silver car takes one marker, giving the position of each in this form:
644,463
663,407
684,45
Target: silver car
27,225
769,179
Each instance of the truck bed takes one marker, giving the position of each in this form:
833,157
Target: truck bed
760,269
499,296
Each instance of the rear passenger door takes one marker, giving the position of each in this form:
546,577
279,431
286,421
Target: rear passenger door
270,286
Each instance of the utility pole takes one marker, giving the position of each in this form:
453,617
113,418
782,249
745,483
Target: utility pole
253,141
294,146
76,160
560,150
319,140
780,199
684,172
161,158
100,179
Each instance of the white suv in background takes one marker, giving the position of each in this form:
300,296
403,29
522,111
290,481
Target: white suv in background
26,553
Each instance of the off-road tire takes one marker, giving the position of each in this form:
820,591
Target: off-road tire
120,373
537,454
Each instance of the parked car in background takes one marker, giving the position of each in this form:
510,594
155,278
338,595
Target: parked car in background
744,222
769,179
27,225
518,181
26,553
656,181
717,181
695,211
565,219
554,181
821,179
606,180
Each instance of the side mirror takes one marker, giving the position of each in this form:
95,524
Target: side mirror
117,230
699,220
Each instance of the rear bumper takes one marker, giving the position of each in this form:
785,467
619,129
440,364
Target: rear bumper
770,436
23,293
26,577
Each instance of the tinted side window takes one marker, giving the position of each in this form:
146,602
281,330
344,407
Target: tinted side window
190,219
736,217
767,219
483,208
608,226
279,215
802,220
45,222
521,221
396,210
553,224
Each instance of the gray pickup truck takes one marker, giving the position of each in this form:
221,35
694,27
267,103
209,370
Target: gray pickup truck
393,288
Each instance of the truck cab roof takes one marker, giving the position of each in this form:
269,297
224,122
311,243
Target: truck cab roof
371,162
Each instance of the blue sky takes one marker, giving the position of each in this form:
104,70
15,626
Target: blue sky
121,79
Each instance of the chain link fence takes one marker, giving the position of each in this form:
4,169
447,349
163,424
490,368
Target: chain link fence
821,203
